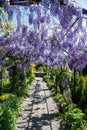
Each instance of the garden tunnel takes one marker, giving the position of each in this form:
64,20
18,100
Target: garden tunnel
55,35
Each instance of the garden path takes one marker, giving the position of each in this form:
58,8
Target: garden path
38,109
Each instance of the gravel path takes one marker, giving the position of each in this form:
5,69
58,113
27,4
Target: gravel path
38,109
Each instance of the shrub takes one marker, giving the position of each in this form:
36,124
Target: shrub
46,78
80,83
7,118
83,100
49,82
10,107
9,110
14,103
75,118
61,102
80,91
59,98
23,91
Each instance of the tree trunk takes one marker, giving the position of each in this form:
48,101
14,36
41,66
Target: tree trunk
0,83
66,88
73,93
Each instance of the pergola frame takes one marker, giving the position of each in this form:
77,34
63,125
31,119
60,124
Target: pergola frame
30,2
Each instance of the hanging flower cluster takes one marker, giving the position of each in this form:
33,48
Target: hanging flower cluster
63,44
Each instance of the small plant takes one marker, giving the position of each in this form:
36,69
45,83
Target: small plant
59,98
49,82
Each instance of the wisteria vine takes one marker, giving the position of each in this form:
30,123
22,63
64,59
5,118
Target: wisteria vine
63,44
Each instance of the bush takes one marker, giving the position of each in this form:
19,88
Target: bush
29,81
80,83
80,91
83,100
9,110
10,104
14,103
49,82
23,91
59,98
7,118
74,118
10,107
46,78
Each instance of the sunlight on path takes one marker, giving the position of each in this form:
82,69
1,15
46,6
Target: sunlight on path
38,109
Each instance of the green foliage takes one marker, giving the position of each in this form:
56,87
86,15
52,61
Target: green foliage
75,118
6,87
49,82
46,78
39,66
14,103
59,98
80,82
29,80
61,102
9,110
11,106
83,100
80,91
7,118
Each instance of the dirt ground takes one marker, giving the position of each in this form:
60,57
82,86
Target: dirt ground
39,109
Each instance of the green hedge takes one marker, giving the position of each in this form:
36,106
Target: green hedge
10,108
